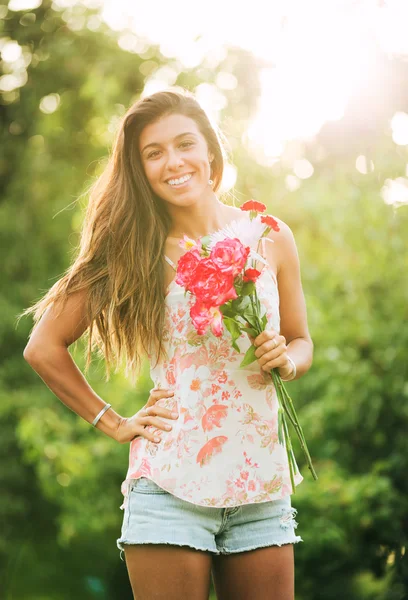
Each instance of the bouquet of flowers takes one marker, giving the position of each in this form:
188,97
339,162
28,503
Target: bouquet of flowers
222,279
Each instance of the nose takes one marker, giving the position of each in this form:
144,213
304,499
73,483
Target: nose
174,160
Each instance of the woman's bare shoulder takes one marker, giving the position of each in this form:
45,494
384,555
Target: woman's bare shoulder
283,245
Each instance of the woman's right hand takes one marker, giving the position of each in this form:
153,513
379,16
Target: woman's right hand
132,427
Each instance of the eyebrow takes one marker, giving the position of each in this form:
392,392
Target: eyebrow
176,138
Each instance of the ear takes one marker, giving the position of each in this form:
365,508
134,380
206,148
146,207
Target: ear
210,157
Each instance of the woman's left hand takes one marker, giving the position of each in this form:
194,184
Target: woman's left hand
271,352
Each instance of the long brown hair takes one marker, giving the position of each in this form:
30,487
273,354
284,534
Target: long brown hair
120,256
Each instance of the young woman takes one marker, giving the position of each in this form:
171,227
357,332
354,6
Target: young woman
208,486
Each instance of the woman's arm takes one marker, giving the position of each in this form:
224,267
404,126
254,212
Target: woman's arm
47,353
292,308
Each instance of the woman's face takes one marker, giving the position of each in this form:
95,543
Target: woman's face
176,159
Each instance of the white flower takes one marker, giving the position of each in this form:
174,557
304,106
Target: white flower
248,232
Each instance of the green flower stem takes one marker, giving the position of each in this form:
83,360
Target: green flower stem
283,433
255,312
280,415
287,404
288,401
291,458
303,442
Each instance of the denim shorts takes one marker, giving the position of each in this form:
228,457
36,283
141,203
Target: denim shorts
154,516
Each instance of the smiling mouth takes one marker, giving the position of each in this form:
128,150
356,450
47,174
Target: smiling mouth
179,181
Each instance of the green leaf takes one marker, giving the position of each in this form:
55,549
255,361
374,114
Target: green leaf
238,286
252,320
226,310
240,304
248,288
233,328
249,356
235,346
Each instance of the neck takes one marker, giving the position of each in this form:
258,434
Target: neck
200,219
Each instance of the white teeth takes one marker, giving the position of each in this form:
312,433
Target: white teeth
181,180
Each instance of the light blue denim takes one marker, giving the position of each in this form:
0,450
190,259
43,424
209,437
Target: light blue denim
154,516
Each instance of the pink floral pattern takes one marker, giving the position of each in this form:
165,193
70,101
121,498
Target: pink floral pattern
223,450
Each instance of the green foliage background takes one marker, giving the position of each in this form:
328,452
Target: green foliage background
60,479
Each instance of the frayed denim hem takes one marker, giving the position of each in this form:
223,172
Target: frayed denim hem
224,551
120,543
296,540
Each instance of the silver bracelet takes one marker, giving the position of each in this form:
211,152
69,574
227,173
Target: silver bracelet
99,415
293,375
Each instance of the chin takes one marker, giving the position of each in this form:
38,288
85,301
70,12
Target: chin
183,201
192,197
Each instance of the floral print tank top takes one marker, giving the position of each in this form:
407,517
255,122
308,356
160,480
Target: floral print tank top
223,450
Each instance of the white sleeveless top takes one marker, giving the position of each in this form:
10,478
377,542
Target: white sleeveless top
223,450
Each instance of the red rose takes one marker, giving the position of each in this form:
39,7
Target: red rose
251,274
230,255
210,285
253,205
186,266
270,221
